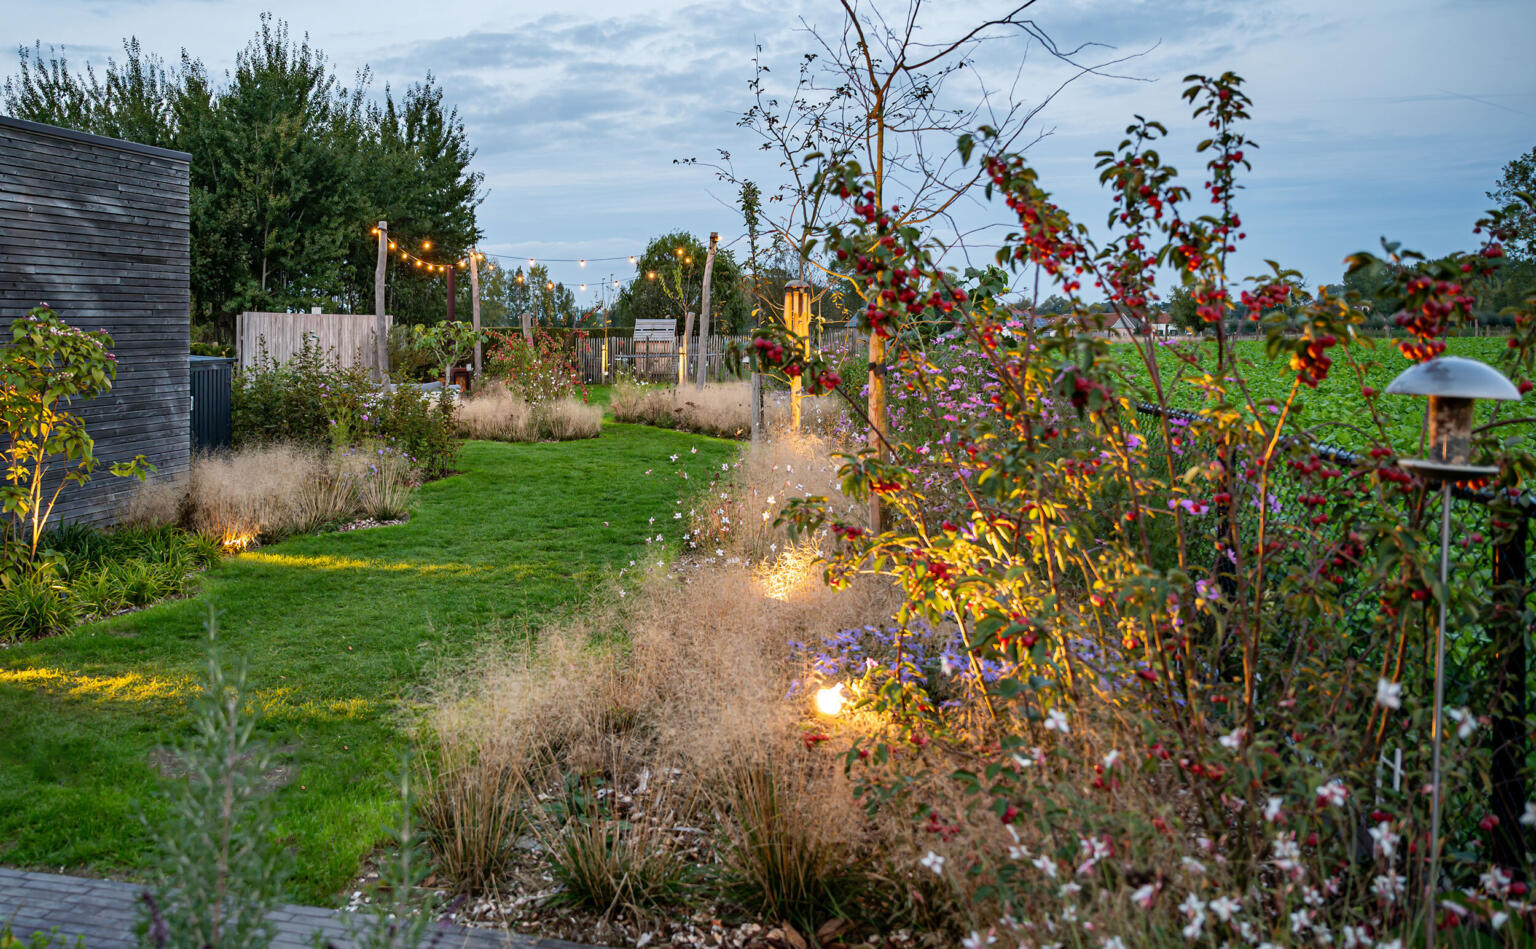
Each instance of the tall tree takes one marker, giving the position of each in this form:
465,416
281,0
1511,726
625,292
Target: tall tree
669,282
1517,179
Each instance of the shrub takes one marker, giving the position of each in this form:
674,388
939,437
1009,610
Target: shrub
219,872
299,401
544,371
36,604
605,865
417,423
48,366
1160,656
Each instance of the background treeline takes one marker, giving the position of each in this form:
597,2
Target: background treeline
290,170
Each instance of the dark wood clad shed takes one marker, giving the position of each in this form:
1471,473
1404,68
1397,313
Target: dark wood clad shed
97,228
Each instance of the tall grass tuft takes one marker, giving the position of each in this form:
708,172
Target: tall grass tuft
500,415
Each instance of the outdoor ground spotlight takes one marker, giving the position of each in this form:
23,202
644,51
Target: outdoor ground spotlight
1453,385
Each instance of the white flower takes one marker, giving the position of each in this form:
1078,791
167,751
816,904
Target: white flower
1233,740
1272,809
1056,721
1356,936
1114,756
933,862
1300,919
1529,817
975,940
673,458
1195,910
1114,942
1144,895
1194,866
1498,919
1384,841
1466,722
1389,694
1332,794
1046,865
1389,886
1225,908
677,515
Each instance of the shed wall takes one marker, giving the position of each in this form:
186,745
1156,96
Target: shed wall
97,228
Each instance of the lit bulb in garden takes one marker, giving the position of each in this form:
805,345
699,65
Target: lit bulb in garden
830,701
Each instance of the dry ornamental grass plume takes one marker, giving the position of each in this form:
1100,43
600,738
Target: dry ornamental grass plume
499,415
698,712
722,409
274,490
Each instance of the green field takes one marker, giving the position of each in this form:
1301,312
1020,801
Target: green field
342,633
1336,412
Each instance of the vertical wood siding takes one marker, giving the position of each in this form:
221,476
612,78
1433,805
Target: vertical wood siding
97,228
349,338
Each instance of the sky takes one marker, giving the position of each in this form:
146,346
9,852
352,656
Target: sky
1373,117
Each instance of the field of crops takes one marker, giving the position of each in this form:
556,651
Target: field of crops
1336,412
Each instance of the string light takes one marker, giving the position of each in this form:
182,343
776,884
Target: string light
583,262
426,245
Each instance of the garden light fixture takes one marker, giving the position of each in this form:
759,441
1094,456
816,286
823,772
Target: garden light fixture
1453,385
830,701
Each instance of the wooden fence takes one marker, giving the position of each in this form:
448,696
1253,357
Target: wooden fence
348,338
657,361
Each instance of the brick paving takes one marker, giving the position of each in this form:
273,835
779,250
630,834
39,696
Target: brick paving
104,913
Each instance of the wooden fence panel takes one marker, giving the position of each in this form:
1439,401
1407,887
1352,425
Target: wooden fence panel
347,338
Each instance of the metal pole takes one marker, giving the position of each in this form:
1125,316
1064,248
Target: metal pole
1438,723
1510,589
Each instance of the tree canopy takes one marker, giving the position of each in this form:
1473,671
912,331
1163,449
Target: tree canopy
669,282
291,169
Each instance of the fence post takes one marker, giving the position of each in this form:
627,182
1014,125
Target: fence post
1511,587
380,326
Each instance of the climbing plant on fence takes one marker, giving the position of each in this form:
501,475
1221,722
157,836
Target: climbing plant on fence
1139,691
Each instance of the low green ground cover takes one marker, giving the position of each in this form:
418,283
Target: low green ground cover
342,631
1336,411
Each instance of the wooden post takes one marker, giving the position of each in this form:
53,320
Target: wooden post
381,325
452,293
877,428
474,307
528,327
757,405
797,317
682,356
709,269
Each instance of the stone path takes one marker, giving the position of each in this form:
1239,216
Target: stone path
104,912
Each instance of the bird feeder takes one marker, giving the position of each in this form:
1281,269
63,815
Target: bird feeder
1453,384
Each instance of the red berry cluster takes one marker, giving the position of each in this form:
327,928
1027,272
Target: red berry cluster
1428,312
1311,362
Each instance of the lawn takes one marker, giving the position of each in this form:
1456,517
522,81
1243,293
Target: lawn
342,633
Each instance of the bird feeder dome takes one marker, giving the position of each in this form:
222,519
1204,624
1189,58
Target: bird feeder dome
1454,377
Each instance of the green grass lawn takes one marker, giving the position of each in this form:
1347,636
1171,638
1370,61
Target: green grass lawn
341,631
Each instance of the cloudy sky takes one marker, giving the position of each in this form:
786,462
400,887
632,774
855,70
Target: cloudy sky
1374,117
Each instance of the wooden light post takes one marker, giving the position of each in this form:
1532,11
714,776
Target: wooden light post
797,318
381,323
474,305
709,269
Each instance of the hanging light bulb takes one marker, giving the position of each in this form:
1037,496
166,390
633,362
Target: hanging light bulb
583,288
519,278
631,260
583,262
550,285
530,261
391,245
426,245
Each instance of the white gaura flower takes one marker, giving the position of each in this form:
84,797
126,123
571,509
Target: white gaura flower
933,862
1355,937
1332,794
1384,841
1114,942
1466,722
1389,694
1056,721
1272,809
1225,907
1144,895
976,940
1529,817
1046,865
1233,740
1114,756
